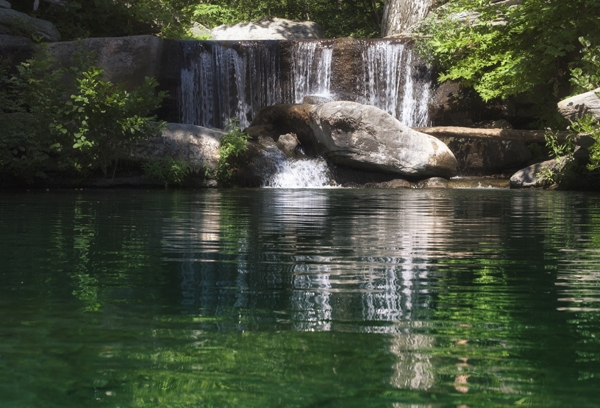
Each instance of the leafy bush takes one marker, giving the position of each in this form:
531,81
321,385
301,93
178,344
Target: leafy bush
233,145
503,51
41,122
167,170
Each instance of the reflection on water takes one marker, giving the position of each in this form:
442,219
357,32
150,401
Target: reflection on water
300,298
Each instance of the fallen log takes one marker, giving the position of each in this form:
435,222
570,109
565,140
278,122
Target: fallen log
527,136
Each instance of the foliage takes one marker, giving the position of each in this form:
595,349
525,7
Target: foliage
102,118
503,51
173,18
167,170
233,145
26,110
106,18
42,122
573,171
589,126
586,77
348,18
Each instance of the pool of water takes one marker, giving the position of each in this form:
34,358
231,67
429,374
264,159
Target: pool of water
299,298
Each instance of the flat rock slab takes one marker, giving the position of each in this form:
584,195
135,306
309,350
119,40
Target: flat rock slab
366,137
268,29
577,106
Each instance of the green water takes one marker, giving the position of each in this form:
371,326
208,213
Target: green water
299,298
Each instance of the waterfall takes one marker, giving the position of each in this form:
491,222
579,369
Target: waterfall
297,173
391,84
311,69
235,79
223,81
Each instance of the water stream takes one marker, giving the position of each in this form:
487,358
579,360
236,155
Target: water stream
236,79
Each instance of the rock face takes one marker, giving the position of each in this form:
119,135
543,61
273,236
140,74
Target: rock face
271,28
4,4
366,137
20,24
579,105
400,15
125,60
197,145
485,157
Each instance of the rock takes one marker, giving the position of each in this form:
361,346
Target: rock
197,145
396,183
257,164
577,106
363,136
433,182
516,135
200,32
4,4
399,16
494,124
585,140
485,157
534,175
270,28
261,130
21,24
126,60
581,154
478,182
287,119
14,41
288,143
316,100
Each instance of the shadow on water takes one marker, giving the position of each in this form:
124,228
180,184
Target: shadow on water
276,297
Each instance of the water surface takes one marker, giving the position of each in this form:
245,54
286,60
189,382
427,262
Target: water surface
299,298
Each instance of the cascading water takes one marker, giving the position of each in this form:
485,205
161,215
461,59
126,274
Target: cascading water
390,83
236,79
297,173
223,81
311,69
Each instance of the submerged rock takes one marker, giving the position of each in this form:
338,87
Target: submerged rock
363,136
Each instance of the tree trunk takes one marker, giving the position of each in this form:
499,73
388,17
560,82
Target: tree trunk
527,136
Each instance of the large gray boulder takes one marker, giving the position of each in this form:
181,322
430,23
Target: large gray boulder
271,28
126,60
366,137
577,106
20,24
4,4
196,145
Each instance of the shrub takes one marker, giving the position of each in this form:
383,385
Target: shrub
167,170
233,145
40,121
